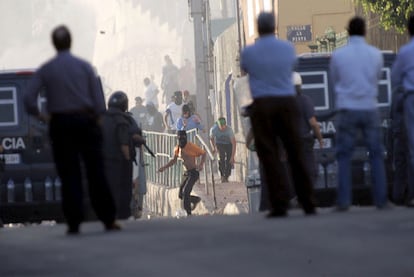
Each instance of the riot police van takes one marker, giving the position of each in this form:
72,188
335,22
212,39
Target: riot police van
314,70
30,189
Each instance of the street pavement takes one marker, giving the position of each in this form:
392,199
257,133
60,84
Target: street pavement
360,242
225,194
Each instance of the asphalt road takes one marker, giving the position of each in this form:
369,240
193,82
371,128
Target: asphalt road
361,242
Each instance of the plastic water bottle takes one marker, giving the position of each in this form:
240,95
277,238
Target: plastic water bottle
58,189
48,189
28,192
10,191
367,173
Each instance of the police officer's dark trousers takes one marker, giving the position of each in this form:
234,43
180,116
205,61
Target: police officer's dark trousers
272,118
75,138
225,152
119,176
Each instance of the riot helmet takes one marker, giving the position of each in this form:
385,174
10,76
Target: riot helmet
118,100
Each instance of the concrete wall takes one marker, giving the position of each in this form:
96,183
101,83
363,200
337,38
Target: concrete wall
319,14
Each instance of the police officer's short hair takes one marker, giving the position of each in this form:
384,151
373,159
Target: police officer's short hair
356,26
266,23
61,38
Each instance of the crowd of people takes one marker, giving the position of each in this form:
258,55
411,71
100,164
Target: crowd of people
283,125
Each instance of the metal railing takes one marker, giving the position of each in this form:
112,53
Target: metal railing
162,144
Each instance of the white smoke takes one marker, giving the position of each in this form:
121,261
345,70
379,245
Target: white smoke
122,42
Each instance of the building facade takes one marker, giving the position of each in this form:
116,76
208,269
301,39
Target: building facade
307,24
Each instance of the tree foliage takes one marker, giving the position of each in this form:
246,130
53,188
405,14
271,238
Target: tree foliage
392,13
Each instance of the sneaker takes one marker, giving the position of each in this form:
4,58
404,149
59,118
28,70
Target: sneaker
194,201
224,179
114,226
138,213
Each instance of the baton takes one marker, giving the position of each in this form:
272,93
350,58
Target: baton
149,150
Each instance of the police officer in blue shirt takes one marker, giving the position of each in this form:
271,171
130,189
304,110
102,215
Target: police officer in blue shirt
275,114
74,105
402,74
355,72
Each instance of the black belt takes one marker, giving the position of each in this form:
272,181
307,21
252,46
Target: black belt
86,111
76,113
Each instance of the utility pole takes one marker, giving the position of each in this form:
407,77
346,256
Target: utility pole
224,9
200,16
238,26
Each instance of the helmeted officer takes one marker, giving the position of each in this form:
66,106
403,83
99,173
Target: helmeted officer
118,154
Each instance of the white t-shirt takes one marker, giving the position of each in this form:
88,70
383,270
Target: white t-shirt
151,93
176,111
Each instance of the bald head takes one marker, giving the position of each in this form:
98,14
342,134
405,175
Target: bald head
61,38
266,23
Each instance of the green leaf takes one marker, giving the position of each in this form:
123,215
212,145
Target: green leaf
392,13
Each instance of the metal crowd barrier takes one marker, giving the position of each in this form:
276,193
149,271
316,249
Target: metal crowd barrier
162,144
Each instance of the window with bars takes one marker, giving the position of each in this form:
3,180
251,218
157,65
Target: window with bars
8,106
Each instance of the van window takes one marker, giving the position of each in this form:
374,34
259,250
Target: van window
8,106
384,88
315,85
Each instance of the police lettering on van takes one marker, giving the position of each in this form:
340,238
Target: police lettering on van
12,144
9,143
